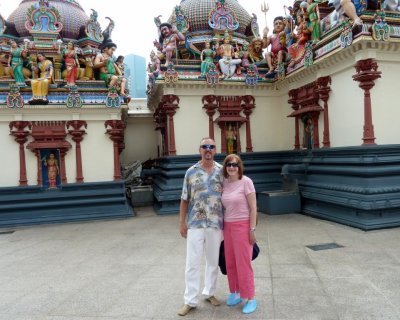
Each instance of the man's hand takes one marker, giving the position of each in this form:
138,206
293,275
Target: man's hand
183,229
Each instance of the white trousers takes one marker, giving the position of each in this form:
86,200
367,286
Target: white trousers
201,241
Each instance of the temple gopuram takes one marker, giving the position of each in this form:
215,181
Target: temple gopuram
312,100
62,98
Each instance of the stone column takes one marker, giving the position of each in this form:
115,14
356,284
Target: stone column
77,136
367,73
248,104
17,129
115,128
210,104
323,90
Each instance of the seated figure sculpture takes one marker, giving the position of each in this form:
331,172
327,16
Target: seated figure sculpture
168,41
40,85
207,58
109,71
229,61
277,40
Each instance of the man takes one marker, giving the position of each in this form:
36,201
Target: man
109,71
168,41
200,222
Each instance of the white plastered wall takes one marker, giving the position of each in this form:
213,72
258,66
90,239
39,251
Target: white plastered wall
141,140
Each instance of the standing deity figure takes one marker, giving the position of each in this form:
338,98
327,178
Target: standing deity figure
52,170
120,64
229,61
297,49
15,61
207,59
277,40
168,41
109,71
71,64
230,139
313,18
40,85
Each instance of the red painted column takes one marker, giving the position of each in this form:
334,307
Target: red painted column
323,90
211,105
63,152
248,104
315,131
293,101
115,128
297,133
17,129
223,137
77,136
367,73
170,104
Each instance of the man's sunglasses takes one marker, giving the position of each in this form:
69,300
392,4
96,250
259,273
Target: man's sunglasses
232,164
207,146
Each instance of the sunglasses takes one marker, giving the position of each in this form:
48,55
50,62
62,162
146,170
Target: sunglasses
232,164
207,146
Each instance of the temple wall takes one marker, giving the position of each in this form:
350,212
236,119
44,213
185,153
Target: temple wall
141,140
97,154
9,157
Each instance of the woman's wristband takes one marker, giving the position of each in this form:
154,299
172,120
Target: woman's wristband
252,229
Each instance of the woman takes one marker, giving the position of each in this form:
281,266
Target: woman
207,58
71,64
239,201
15,61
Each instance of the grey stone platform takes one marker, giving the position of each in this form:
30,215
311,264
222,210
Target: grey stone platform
134,269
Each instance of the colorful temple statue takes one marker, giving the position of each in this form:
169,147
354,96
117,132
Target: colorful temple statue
313,20
15,61
109,71
229,61
207,58
40,85
53,170
278,50
71,64
347,7
302,35
168,41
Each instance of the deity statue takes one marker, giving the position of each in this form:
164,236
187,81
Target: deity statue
71,63
303,34
120,64
229,61
230,139
255,50
207,58
308,139
109,71
168,41
52,170
15,61
40,85
277,40
313,20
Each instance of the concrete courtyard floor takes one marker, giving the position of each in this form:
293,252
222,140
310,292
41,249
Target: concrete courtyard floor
134,269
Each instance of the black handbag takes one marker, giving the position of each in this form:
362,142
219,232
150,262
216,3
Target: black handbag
222,263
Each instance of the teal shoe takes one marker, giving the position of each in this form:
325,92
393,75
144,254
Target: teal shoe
233,299
250,306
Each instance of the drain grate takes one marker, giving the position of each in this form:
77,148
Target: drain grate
6,232
325,246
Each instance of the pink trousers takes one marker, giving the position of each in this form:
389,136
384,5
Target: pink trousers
238,253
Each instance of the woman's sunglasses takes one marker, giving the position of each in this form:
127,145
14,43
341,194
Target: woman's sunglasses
232,164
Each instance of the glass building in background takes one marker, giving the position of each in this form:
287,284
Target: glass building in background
135,73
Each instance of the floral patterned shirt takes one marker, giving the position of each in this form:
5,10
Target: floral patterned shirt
203,192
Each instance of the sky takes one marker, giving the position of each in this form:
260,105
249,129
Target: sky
135,30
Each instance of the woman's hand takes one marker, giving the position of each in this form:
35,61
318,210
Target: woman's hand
253,239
